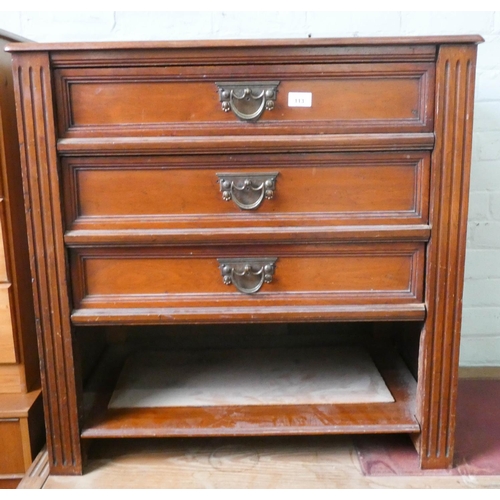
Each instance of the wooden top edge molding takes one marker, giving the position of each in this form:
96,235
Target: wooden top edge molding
238,43
243,144
17,405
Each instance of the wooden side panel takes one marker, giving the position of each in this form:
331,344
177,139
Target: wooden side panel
438,373
39,163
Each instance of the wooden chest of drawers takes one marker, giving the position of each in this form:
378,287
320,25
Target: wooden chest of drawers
321,183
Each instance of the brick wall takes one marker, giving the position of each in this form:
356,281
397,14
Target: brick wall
481,313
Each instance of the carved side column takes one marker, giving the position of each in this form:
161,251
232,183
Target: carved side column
440,340
47,259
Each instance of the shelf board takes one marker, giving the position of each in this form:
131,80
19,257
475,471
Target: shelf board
253,421
299,419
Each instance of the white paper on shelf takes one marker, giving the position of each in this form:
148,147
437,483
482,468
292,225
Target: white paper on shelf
250,377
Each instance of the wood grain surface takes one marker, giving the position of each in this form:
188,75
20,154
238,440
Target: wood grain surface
360,97
183,191
120,142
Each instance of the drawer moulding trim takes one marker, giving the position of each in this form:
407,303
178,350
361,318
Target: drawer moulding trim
217,235
401,312
244,144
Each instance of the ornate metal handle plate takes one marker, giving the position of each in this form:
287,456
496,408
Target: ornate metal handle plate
247,100
247,275
247,190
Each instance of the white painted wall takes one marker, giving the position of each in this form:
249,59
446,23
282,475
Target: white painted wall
481,314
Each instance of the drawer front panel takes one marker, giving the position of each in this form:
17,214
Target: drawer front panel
344,98
7,346
309,189
304,274
11,444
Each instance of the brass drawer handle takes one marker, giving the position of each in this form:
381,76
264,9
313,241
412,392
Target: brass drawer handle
247,190
247,100
247,274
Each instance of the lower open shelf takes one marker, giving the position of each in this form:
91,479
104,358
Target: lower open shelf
190,402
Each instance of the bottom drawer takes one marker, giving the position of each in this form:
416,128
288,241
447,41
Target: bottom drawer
260,276
21,431
11,443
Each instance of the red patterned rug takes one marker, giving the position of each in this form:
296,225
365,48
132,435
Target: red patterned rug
477,449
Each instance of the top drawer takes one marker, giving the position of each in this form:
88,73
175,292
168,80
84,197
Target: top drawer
163,101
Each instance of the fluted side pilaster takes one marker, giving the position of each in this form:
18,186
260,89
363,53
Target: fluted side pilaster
47,259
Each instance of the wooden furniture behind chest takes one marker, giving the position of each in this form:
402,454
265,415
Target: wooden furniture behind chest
21,419
314,184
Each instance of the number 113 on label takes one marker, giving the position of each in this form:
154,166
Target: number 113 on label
299,99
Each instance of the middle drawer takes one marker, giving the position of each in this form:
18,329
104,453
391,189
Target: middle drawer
308,275
197,191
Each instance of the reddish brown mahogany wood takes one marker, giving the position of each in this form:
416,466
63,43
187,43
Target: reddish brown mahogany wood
395,417
298,143
358,97
305,276
446,254
406,45
371,178
263,234
45,237
248,314
311,189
